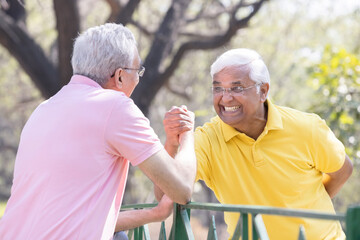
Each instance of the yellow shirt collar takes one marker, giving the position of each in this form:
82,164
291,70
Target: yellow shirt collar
274,122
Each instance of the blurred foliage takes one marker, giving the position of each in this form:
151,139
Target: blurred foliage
2,208
336,81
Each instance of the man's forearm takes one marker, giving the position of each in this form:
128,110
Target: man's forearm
174,176
185,159
171,150
333,182
133,218
186,155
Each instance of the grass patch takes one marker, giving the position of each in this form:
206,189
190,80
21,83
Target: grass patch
2,208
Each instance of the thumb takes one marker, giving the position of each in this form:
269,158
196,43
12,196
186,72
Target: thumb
184,107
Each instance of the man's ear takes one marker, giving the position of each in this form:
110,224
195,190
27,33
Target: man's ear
117,78
264,89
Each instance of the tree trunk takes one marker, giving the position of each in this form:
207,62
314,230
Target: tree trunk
29,55
68,26
162,46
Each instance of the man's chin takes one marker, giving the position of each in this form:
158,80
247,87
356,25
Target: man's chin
232,121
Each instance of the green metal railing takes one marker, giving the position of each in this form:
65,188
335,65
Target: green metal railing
181,228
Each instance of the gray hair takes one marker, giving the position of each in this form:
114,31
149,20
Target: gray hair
100,50
258,71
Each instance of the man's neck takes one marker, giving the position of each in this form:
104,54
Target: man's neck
256,125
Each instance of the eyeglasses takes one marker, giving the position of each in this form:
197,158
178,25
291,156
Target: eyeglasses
234,91
140,71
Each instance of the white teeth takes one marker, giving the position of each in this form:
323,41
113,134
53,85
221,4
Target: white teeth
231,109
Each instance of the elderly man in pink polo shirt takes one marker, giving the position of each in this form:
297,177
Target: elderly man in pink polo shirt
75,149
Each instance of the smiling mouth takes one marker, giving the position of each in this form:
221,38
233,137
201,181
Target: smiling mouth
231,109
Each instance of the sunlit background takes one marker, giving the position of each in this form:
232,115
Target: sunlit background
312,50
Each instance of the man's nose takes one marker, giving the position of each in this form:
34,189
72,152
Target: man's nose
227,95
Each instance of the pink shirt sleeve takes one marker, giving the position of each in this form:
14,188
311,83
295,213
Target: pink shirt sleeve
128,133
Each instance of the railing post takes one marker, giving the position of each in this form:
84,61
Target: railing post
254,232
353,223
301,233
162,234
137,233
245,226
212,230
260,227
185,217
146,232
130,233
141,232
242,228
178,231
238,230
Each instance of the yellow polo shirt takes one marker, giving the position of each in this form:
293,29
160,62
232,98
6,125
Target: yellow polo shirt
282,168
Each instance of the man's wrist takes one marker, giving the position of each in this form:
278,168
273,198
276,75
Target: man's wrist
172,149
186,136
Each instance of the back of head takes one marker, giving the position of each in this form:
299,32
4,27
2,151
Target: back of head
100,50
258,71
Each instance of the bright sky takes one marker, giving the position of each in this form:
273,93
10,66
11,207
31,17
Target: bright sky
321,8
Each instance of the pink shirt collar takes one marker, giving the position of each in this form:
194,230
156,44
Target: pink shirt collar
80,79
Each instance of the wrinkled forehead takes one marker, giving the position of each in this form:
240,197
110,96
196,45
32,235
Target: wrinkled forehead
136,59
237,74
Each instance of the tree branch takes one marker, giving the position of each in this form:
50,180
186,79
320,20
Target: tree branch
29,55
5,147
178,92
141,28
15,9
162,46
214,41
207,16
115,7
199,14
66,12
124,14
202,16
194,35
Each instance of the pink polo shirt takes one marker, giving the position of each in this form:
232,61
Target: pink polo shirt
72,164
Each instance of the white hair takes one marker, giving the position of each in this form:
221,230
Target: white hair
258,71
100,50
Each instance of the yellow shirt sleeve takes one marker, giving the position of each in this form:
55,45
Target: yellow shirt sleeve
328,151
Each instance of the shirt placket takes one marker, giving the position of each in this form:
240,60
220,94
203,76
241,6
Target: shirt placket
258,158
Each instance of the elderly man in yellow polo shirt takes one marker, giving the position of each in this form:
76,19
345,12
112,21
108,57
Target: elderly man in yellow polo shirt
256,153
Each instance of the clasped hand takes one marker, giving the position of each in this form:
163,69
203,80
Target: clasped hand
177,120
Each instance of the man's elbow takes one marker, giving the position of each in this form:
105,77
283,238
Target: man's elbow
349,169
185,195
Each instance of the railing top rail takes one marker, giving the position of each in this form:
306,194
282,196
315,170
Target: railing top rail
138,206
250,209
265,210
